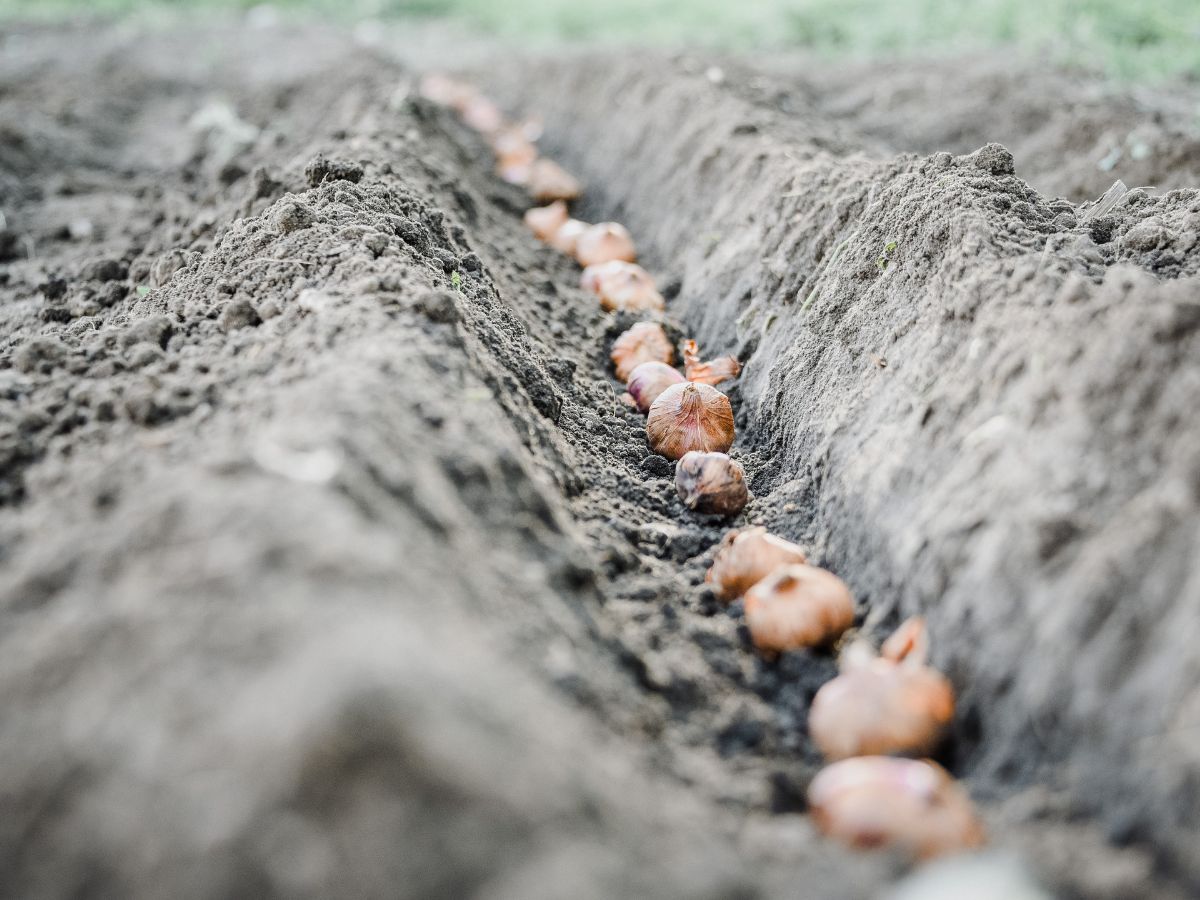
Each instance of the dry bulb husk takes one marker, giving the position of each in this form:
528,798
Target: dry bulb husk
711,483
482,115
712,372
910,805
690,417
603,242
648,380
563,240
798,606
643,342
745,557
446,91
548,181
513,148
544,221
622,286
881,705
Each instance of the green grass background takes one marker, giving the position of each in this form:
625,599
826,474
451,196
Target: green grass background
1127,39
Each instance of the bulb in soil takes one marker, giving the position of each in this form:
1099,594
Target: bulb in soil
882,705
798,606
548,181
712,372
688,417
515,173
747,556
604,242
482,115
513,149
445,91
544,221
622,286
908,805
711,483
567,234
648,380
643,342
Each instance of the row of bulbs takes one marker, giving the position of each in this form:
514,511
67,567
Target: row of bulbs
885,708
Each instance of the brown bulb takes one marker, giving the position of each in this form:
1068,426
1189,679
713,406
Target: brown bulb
513,148
882,705
567,234
482,115
643,342
544,221
648,380
745,557
712,372
711,483
622,286
908,805
690,417
445,91
549,181
798,606
603,242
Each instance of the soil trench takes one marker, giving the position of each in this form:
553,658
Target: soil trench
332,563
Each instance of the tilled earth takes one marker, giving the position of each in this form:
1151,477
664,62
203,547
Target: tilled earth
334,566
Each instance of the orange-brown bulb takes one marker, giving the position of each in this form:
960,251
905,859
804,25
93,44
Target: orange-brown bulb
798,606
711,483
604,242
643,342
690,417
544,221
909,805
745,557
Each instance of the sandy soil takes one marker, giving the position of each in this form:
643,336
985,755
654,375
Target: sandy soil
332,564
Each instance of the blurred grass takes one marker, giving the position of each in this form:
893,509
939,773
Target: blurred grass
1127,39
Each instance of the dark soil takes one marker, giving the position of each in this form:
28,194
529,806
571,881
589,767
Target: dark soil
333,565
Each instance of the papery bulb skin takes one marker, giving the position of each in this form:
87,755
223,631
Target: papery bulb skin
745,557
548,181
563,240
881,708
446,91
906,805
689,417
798,606
605,242
513,148
648,380
482,115
712,372
711,483
892,703
544,221
643,342
622,286
518,173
